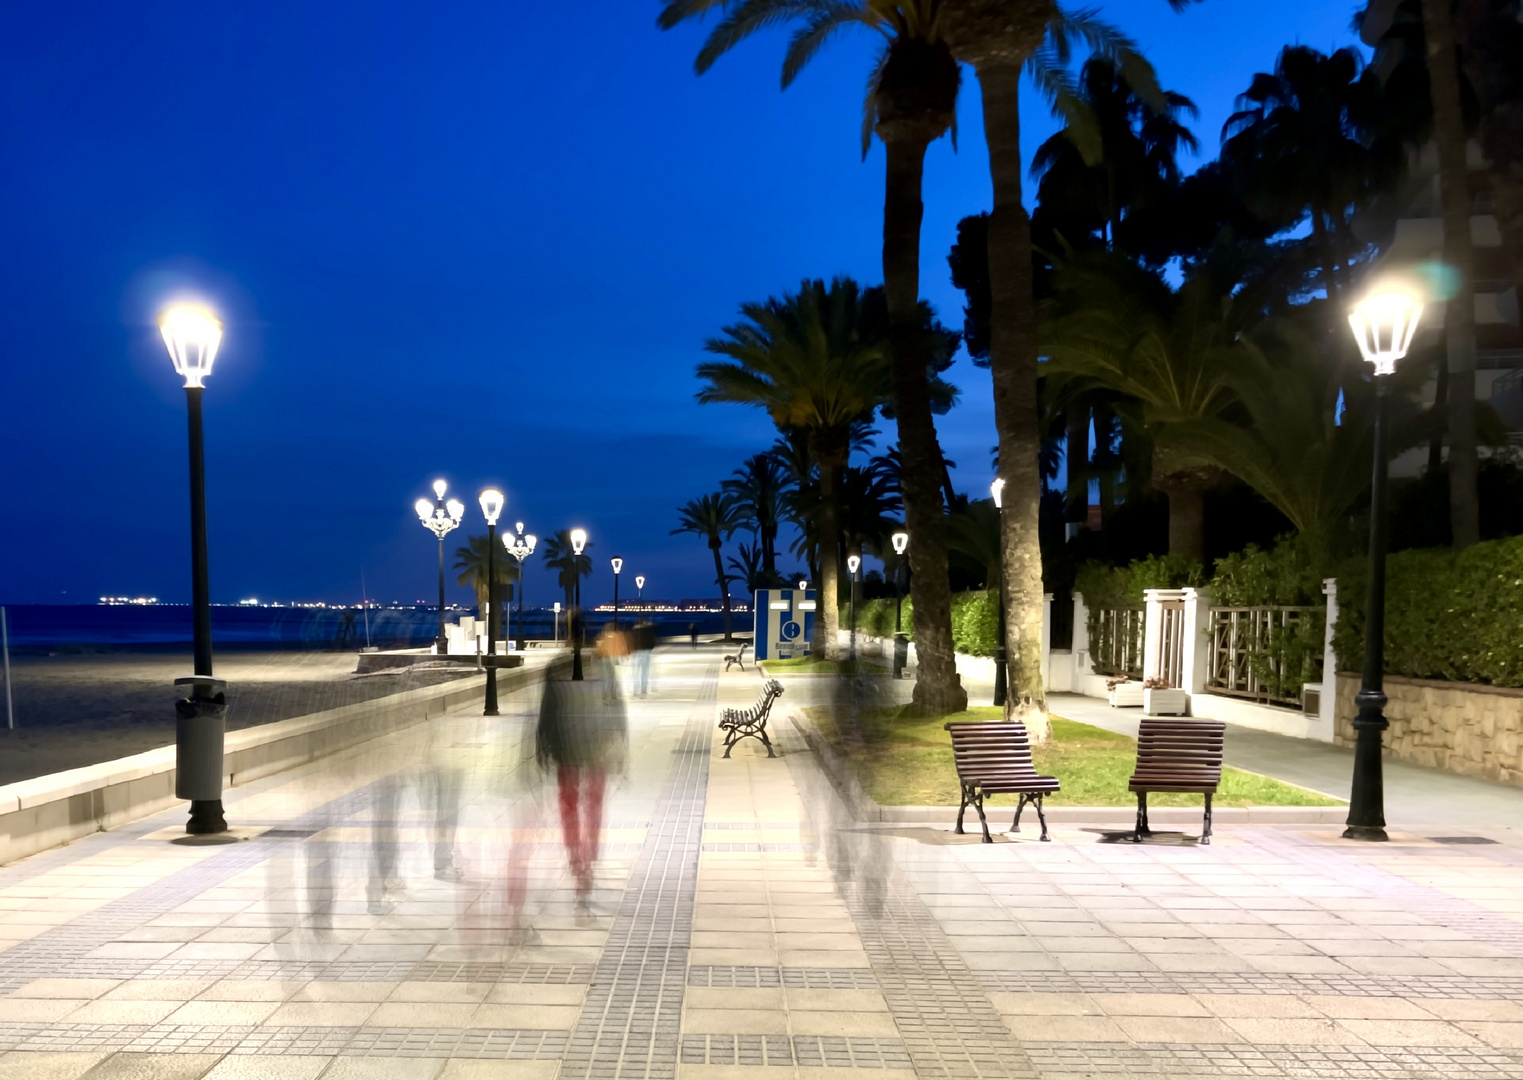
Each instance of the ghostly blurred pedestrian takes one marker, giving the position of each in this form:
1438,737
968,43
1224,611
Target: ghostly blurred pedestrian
583,736
644,643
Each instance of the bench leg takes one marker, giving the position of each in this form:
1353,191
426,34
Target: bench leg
1041,817
961,809
1205,836
729,741
1142,818
1015,826
762,734
978,804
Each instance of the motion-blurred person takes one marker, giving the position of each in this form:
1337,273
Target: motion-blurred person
644,643
692,633
583,735
436,782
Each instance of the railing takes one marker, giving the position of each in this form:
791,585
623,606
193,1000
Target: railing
1265,653
1115,641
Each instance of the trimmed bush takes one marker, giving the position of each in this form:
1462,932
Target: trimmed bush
1106,586
1449,615
975,621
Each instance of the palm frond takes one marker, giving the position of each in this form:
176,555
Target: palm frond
829,17
743,20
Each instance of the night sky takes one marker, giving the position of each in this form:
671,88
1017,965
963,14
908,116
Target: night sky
477,241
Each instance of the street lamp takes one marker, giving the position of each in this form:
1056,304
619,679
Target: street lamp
1001,656
193,335
574,617
618,566
853,564
440,518
491,507
640,588
520,547
1383,325
901,643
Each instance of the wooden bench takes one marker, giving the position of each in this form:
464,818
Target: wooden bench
993,758
751,723
737,657
1177,755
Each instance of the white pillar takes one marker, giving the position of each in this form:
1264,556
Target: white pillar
1327,705
1152,635
1079,653
1197,645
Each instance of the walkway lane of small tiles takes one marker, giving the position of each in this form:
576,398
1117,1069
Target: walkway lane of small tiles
630,1020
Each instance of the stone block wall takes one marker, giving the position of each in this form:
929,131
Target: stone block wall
1460,727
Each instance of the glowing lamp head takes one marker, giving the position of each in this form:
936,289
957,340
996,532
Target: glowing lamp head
853,562
997,492
519,527
530,541
803,585
618,564
440,487
424,509
557,607
578,540
193,336
456,510
639,581
901,542
491,505
1383,325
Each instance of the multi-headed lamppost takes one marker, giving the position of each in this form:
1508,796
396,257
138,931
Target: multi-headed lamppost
901,645
574,617
491,507
618,566
853,564
440,518
193,337
1001,657
520,547
1383,324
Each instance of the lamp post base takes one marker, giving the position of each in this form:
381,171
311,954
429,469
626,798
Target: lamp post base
1365,832
441,645
491,697
206,817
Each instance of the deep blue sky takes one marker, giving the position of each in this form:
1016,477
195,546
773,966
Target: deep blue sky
479,241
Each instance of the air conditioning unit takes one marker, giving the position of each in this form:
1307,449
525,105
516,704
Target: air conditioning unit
1311,700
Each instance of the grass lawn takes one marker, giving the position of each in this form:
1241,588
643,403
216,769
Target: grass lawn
810,665
907,761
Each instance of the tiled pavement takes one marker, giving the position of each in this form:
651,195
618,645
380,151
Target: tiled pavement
744,926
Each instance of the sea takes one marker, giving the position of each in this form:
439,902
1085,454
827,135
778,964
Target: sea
124,627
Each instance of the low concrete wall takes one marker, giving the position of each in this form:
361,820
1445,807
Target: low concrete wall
1462,728
50,810
1251,714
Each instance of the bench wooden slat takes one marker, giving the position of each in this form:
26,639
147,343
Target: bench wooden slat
1177,754
994,758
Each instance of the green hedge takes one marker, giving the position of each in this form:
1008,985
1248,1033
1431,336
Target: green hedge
975,621
1449,615
1105,586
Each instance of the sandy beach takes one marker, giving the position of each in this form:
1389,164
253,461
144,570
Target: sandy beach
79,708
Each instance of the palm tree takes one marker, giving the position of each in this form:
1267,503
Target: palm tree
911,102
1000,38
748,567
758,488
1303,143
472,561
713,517
1169,353
815,360
561,556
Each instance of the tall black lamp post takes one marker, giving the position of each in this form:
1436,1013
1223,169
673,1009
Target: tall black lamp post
491,507
853,564
1001,655
520,547
574,618
440,518
1383,324
618,566
901,643
193,336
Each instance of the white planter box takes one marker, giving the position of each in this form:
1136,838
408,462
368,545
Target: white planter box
1165,702
1127,695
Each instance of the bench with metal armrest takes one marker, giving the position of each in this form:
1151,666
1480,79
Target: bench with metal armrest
751,723
993,758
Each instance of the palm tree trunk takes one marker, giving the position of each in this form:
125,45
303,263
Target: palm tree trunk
827,619
938,690
1324,241
1013,365
724,590
1459,316
1440,411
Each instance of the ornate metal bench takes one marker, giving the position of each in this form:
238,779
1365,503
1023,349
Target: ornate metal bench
992,758
1177,755
751,723
737,657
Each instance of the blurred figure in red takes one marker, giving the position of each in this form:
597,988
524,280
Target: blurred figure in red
583,735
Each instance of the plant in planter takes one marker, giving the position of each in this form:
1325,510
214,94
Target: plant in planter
1124,694
1161,699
